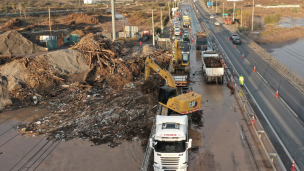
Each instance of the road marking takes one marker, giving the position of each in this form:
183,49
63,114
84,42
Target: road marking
289,107
248,62
238,51
263,78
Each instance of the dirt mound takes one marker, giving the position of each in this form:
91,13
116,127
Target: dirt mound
79,18
12,24
13,43
79,32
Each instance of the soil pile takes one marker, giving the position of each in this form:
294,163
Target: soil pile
12,24
79,18
79,32
13,43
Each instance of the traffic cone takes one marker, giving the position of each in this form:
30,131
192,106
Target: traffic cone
277,94
243,56
293,165
235,86
252,120
254,70
223,54
234,47
231,79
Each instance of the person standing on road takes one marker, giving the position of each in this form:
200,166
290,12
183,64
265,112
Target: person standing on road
140,43
241,80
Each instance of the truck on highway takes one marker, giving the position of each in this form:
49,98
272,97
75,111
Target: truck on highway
213,68
170,143
201,42
186,21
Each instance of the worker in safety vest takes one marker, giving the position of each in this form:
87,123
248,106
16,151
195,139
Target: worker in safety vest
241,80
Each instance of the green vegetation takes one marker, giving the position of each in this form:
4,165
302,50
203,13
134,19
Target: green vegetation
295,10
272,19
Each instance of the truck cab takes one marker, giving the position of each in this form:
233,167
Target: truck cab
170,143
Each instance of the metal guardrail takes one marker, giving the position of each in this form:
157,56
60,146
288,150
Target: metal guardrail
245,104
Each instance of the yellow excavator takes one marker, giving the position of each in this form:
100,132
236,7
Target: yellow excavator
168,97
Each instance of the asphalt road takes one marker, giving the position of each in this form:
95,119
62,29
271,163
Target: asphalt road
261,86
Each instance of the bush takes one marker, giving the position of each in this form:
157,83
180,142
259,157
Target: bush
295,10
272,19
56,5
157,30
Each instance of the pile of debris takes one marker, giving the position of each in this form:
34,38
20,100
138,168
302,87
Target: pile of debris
13,43
12,24
79,18
104,105
213,62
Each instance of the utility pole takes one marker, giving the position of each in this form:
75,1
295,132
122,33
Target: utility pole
113,20
252,15
124,27
233,10
215,6
212,4
169,11
50,21
242,17
153,29
161,20
223,10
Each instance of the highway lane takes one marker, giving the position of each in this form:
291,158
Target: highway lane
288,127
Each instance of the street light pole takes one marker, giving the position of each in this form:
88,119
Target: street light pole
161,20
252,16
113,20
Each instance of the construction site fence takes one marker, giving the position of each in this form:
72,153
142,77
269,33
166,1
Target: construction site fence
258,129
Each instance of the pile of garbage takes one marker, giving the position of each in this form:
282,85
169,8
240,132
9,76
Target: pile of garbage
79,18
107,102
12,24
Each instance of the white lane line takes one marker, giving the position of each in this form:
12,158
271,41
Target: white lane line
238,51
289,107
248,62
263,78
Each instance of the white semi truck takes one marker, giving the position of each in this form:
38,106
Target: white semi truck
170,143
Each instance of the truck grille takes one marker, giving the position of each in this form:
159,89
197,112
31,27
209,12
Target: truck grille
169,162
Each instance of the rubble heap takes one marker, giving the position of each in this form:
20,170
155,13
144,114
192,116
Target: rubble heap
12,24
106,104
13,43
79,18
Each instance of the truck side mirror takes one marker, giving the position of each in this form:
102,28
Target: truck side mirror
151,143
190,143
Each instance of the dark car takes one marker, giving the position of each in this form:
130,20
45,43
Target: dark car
233,36
237,40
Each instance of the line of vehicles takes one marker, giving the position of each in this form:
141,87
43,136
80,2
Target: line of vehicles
171,142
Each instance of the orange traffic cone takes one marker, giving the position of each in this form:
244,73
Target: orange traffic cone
243,56
292,167
223,54
187,91
254,70
235,86
252,119
277,94
234,47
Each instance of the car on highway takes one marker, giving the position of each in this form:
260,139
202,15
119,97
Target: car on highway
177,31
237,40
217,23
212,16
233,36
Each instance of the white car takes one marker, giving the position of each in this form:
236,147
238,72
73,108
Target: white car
212,16
217,23
177,31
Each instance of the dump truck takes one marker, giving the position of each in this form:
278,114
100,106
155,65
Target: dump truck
179,65
168,96
213,68
201,41
186,21
170,143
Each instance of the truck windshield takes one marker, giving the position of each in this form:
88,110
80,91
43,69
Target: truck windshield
202,42
170,147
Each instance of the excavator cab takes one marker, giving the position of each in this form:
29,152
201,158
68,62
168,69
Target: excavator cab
165,93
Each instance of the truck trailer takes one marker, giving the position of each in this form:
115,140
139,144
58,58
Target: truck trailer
201,41
186,21
213,68
170,143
